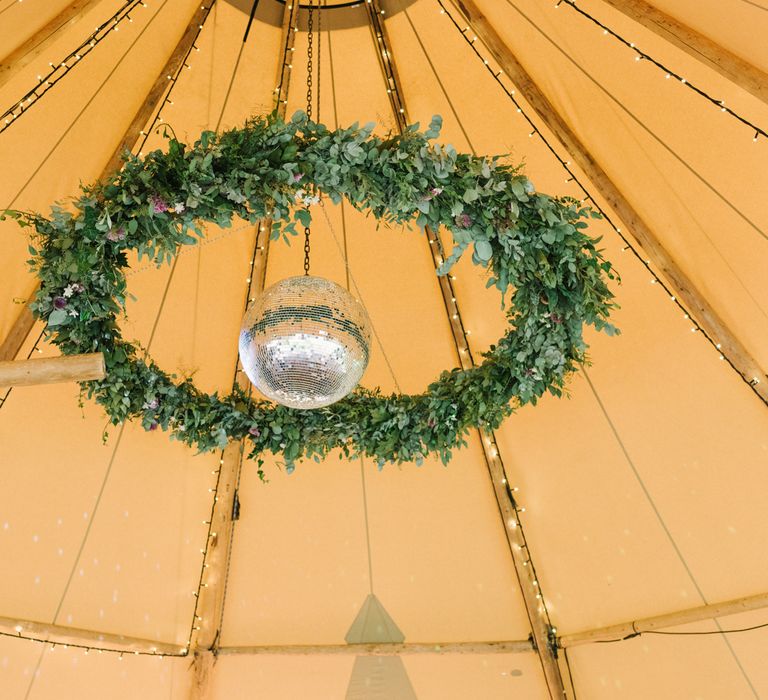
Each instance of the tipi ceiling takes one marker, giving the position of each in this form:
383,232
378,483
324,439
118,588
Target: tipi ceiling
639,495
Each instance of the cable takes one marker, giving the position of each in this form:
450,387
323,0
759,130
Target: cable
669,73
62,68
639,633
175,77
658,515
751,383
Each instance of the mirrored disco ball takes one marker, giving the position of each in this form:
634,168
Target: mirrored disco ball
305,342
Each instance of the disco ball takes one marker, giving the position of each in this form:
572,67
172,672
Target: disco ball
305,342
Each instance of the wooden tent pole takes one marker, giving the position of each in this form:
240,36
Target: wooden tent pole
58,634
703,49
510,647
682,617
52,370
211,605
157,91
709,320
521,556
23,324
20,329
30,49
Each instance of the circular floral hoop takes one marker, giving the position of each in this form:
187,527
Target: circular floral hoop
531,243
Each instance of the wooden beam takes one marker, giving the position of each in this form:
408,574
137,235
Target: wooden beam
202,672
52,370
686,291
58,634
211,605
683,617
702,48
20,329
157,91
511,647
211,602
25,321
30,49
521,556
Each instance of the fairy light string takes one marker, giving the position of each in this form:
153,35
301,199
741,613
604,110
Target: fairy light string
668,72
473,40
59,70
173,79
543,632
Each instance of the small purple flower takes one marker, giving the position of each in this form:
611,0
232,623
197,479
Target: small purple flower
431,422
159,205
77,287
298,177
153,425
555,318
254,431
463,220
59,303
117,234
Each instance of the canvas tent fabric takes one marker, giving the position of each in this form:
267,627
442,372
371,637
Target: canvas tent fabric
643,490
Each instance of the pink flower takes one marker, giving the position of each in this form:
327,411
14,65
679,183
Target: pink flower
298,177
254,431
158,204
463,220
117,234
153,425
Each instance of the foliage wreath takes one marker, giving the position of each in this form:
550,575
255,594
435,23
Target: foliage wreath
530,242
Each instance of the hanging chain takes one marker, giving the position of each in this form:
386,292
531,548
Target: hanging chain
309,63
309,109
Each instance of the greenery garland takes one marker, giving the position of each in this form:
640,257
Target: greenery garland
531,243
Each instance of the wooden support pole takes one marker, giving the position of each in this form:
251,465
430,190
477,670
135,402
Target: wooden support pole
52,370
157,91
20,329
202,671
684,288
30,49
211,605
58,634
702,48
211,601
25,321
521,556
511,647
683,617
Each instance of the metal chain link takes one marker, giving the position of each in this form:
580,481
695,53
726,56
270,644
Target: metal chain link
309,116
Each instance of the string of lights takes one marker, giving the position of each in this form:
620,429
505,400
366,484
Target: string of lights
573,177
251,280
668,72
516,534
59,70
87,648
287,61
173,79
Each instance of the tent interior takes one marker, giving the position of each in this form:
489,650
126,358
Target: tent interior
640,494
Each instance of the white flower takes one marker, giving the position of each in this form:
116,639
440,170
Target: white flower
179,207
300,194
310,199
73,312
69,290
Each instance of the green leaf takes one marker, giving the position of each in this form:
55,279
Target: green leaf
57,317
483,250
